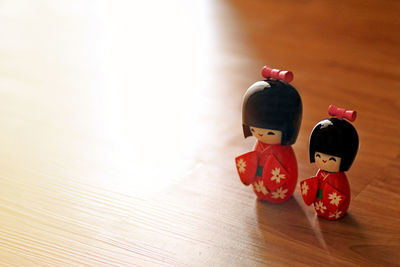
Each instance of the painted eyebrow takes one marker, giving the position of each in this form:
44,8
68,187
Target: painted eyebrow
271,133
332,158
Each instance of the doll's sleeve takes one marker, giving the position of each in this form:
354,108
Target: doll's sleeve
309,188
333,198
274,173
246,166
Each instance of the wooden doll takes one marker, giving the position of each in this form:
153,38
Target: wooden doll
271,112
333,147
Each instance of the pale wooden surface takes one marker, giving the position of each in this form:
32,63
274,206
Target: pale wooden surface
120,122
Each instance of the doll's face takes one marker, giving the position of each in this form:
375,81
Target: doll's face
327,162
267,136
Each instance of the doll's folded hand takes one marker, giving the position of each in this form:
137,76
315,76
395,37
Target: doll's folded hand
309,189
246,166
332,198
274,173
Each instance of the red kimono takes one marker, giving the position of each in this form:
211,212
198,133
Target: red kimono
271,169
329,192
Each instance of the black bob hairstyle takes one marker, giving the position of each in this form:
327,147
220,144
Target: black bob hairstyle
336,137
273,104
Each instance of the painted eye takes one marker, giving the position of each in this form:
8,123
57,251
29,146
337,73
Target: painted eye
332,158
318,156
271,133
252,130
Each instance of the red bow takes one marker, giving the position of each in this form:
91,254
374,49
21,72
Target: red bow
283,75
342,113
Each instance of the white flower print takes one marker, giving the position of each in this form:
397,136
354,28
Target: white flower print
277,176
335,199
279,193
336,214
260,187
304,188
320,206
241,164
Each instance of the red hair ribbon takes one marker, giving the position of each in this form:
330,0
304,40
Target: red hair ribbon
283,75
341,113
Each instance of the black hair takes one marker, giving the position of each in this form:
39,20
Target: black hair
335,137
273,104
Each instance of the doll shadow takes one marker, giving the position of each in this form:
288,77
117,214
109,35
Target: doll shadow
347,226
295,221
349,220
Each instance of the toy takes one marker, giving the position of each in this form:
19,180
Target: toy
271,112
333,147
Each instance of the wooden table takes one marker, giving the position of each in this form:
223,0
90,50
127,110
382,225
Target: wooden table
120,122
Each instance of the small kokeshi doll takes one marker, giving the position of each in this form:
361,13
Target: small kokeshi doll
272,111
333,147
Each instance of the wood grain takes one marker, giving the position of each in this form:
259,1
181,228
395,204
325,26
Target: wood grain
120,122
